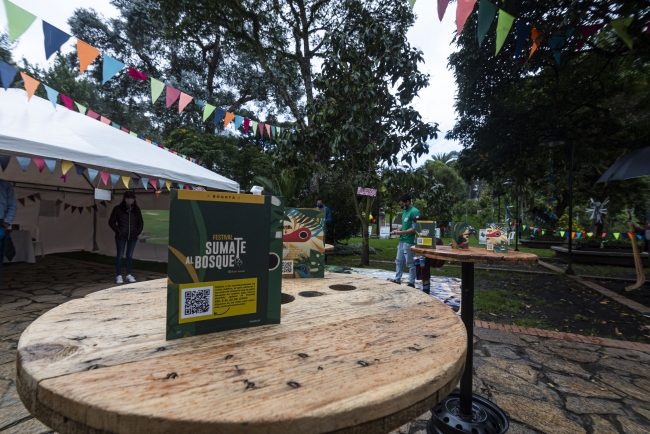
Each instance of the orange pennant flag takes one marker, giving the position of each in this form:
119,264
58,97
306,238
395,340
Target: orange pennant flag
31,84
535,36
228,119
87,54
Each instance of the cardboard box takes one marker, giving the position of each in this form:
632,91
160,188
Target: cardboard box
224,267
425,237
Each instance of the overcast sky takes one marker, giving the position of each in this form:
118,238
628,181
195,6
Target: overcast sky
436,103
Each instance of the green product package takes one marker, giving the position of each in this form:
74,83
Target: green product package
224,268
426,234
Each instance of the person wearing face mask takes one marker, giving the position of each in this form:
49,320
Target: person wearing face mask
126,221
328,216
406,240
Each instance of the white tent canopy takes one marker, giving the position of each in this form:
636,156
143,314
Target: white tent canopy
36,129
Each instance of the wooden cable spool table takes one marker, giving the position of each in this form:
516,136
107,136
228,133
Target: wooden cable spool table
464,411
353,355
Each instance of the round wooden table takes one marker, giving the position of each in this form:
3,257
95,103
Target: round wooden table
464,408
353,355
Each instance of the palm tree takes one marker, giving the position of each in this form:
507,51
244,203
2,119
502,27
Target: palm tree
284,184
445,157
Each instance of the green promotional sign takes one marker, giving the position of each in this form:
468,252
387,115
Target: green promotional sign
224,269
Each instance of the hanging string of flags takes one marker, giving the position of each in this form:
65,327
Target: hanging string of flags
557,41
19,20
622,235
66,206
129,182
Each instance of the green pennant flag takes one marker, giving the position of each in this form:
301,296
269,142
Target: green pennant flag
254,126
18,19
486,13
412,3
620,26
156,89
133,134
81,108
504,25
617,234
207,111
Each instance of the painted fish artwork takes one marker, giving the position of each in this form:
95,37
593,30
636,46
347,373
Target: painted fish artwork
459,235
303,243
497,239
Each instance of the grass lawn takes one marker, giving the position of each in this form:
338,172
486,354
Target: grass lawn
156,226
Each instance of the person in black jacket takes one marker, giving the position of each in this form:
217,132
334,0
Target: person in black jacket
126,221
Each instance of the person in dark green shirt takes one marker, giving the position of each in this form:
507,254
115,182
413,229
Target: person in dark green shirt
406,240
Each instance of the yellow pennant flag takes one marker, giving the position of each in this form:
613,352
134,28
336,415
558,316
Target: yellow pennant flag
125,180
66,165
31,84
168,184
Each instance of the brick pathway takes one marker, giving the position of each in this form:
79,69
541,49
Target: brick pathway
548,382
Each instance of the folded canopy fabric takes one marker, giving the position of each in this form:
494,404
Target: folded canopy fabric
34,129
633,165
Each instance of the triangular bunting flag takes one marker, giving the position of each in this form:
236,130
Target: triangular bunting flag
535,35
590,234
558,42
136,182
53,39
463,9
625,235
116,126
562,233
124,130
573,234
81,108
51,95
88,208
207,111
31,197
58,202
587,31
7,74
40,163
81,210
272,132
254,127
218,115
181,186
105,120
412,3
110,67
172,95
74,208
50,163
103,203
168,184
578,235
66,206
604,234
24,162
18,19
66,101
125,180
104,176
80,169
38,196
504,24
268,129
4,161
22,201
620,26
261,127
133,134
156,89
199,102
114,179
92,114
92,174
161,182
65,166
522,33
31,84
185,99
153,184
486,13
87,55
442,7
134,73
238,121
228,119
95,207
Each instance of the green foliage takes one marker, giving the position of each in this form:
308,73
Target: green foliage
284,184
350,249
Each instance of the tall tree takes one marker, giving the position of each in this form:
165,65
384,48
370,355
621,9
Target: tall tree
361,117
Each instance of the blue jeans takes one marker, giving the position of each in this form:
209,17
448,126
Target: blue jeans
130,247
404,249
2,256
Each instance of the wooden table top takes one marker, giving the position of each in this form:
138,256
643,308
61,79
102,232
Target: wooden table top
348,361
476,255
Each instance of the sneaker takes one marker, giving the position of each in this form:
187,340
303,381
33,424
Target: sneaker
411,285
130,278
395,281
119,279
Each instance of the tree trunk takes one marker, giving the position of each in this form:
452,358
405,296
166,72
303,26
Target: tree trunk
365,245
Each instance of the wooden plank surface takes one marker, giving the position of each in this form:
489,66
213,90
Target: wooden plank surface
476,255
357,361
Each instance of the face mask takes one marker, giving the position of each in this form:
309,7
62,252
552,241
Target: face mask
404,207
319,206
129,201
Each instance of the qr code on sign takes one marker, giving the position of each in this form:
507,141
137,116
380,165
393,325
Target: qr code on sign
287,267
196,302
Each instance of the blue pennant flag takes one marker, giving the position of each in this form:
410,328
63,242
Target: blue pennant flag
136,181
52,95
161,183
558,42
4,161
54,38
238,121
7,74
181,186
218,115
24,162
110,68
92,174
522,34
114,180
50,163
114,125
145,182
80,169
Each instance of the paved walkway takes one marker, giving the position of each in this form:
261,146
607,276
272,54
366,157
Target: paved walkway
557,384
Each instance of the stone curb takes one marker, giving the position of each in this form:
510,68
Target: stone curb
605,342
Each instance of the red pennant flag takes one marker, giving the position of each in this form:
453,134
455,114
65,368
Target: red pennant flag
261,128
247,122
134,73
124,129
172,95
92,114
105,120
40,163
104,176
66,101
586,32
66,206
22,201
74,208
184,101
268,130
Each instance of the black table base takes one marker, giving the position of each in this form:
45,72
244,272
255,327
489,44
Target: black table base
462,411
